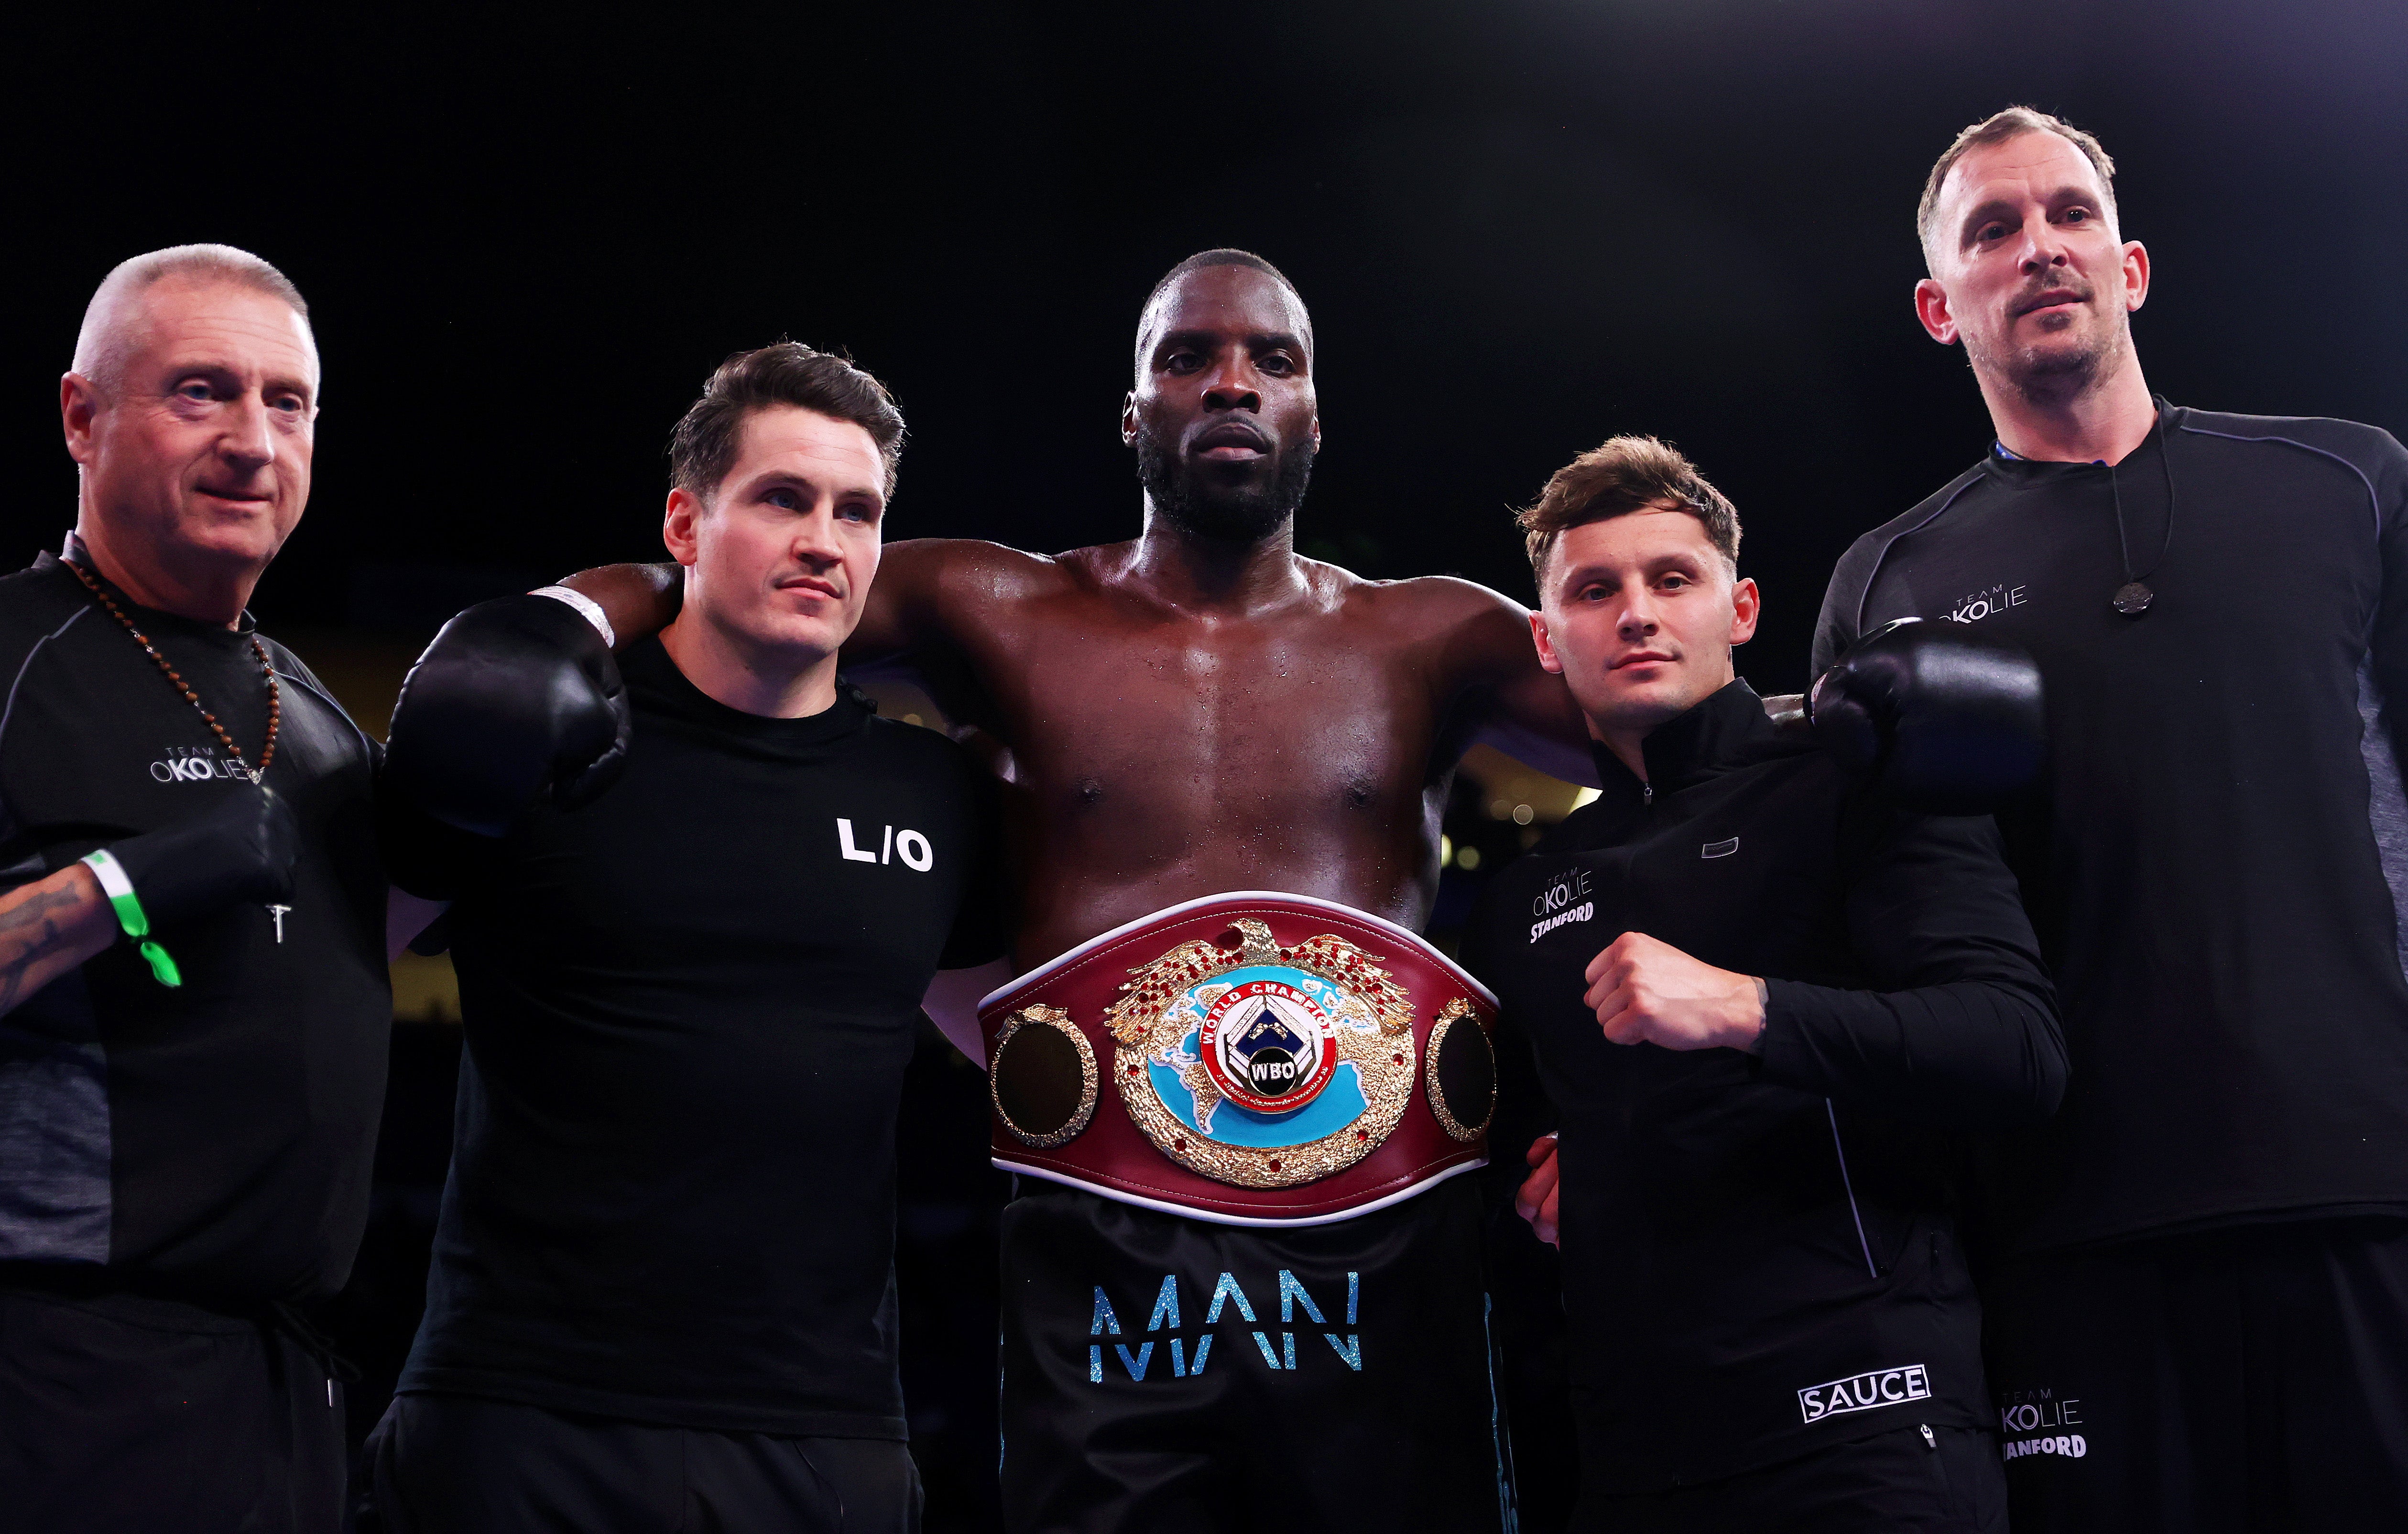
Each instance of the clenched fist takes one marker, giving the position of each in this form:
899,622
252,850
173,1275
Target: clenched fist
1650,991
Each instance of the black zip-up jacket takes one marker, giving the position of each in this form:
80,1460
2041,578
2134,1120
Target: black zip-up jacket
1760,1255
2218,864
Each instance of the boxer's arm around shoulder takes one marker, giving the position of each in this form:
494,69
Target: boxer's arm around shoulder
1521,709
907,602
47,927
1960,1027
636,599
905,608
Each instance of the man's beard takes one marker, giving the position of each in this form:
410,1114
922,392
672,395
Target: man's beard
1224,513
2058,369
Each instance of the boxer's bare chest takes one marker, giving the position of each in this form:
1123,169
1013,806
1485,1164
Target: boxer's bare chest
1158,756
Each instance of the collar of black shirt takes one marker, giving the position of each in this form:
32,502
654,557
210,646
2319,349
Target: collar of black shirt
1725,730
150,618
2011,469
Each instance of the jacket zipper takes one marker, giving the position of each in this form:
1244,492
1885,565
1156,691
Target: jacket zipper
1847,1182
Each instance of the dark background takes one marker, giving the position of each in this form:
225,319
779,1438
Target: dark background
1522,227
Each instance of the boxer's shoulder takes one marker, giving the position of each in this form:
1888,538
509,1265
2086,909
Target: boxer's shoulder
965,592
1438,604
1453,599
968,568
1458,629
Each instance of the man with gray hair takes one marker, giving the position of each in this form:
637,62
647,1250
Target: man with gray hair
2197,1307
187,1115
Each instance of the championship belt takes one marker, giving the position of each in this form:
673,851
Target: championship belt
1250,1058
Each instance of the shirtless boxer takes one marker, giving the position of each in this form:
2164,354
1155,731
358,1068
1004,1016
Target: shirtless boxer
1195,712
1199,713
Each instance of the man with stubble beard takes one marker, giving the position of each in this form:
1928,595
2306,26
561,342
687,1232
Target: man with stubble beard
1241,1275
2200,1310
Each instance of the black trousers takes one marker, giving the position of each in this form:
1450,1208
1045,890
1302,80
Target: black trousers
463,1465
126,1412
1907,1480
2250,1378
1172,1375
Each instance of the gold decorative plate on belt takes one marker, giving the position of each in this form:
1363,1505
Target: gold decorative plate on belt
1266,1067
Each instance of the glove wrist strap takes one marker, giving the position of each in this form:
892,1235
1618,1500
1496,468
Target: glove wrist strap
585,608
130,916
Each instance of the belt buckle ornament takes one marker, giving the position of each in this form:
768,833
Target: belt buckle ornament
1268,1067
1037,1054
1461,1085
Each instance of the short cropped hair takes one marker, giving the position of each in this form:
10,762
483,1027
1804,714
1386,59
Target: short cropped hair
1223,256
705,445
1997,128
1625,474
102,342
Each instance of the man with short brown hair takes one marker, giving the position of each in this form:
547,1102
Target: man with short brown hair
1764,998
2198,1311
1627,474
662,1286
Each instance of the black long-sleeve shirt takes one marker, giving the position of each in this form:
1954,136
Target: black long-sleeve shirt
2218,865
1759,1252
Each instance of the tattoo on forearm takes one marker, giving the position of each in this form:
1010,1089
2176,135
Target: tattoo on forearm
31,931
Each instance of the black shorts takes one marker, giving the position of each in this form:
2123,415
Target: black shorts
463,1465
123,1412
2251,1379
1919,1479
1172,1375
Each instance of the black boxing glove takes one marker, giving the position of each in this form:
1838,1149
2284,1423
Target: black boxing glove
517,699
242,849
1934,716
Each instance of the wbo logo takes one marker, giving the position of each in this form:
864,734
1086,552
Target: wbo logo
1267,1068
1271,1047
1257,1060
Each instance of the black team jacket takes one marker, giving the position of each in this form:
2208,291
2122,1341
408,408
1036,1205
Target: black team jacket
2217,862
1760,1251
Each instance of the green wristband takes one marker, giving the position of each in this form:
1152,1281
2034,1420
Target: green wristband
128,907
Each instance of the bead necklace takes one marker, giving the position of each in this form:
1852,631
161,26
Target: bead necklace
266,669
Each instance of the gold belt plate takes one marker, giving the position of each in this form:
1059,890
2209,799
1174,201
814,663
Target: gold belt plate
1212,1046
